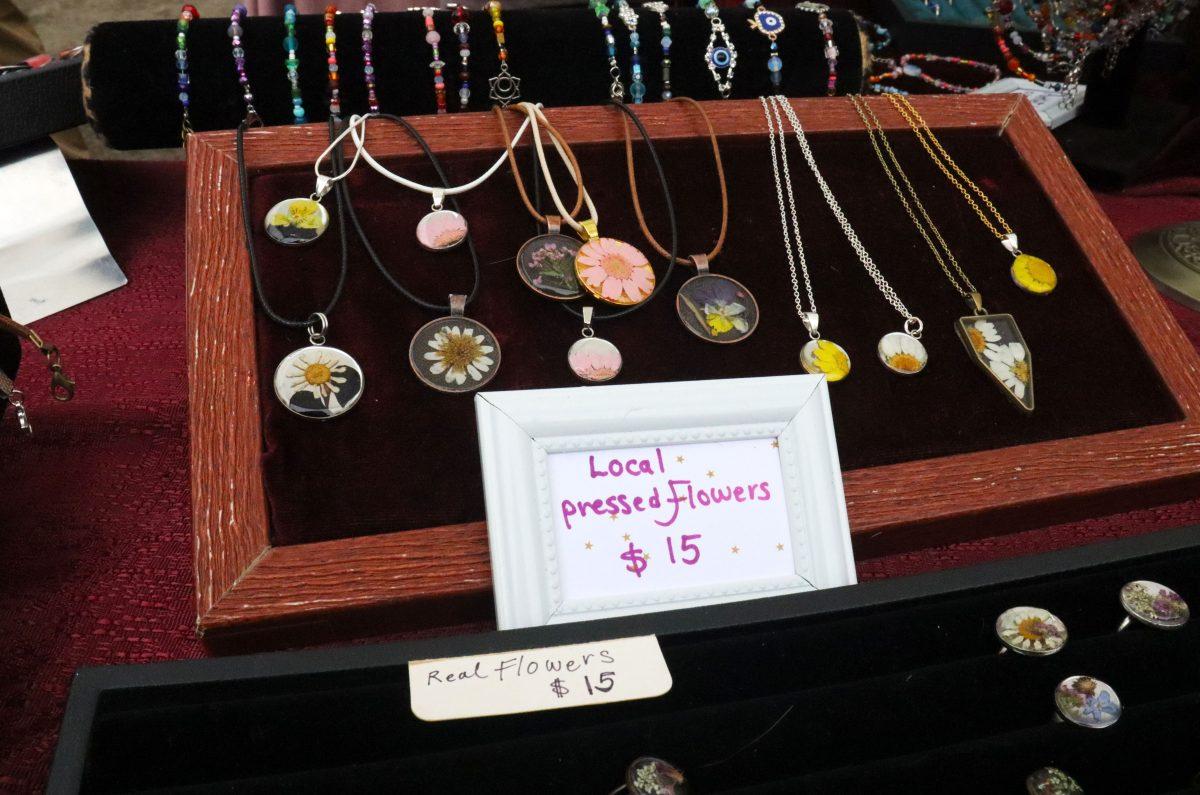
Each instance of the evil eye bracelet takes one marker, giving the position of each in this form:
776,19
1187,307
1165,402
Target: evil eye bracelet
433,38
239,61
769,24
186,15
661,9
825,24
335,102
368,20
637,88
292,62
720,55
462,29
600,8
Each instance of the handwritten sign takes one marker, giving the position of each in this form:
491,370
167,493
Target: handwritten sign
531,680
630,521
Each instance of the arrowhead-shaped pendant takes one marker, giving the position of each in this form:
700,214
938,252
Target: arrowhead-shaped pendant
996,344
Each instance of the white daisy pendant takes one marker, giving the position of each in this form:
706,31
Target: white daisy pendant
318,382
996,345
902,353
454,354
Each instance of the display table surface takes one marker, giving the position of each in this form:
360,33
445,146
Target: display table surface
96,538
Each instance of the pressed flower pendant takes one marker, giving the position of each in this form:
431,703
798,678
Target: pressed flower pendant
318,381
546,264
716,308
996,345
614,271
822,357
591,358
441,230
454,353
1030,273
902,353
297,222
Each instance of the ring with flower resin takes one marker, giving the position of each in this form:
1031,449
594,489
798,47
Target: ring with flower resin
1031,631
1153,605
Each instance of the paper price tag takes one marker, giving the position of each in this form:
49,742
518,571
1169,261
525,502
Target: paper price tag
531,680
1052,104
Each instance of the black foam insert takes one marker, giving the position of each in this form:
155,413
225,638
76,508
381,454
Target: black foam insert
558,53
908,696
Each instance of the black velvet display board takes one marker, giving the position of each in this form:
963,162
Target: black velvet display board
10,356
406,456
559,54
902,693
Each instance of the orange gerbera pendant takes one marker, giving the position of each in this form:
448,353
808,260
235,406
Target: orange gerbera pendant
614,271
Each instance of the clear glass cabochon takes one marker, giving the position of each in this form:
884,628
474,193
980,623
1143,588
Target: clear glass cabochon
716,308
1088,702
822,357
1031,631
546,264
614,271
454,354
594,359
996,344
296,222
318,382
902,353
1154,604
441,230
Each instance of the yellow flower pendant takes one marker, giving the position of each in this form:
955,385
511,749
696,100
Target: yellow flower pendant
1033,275
822,357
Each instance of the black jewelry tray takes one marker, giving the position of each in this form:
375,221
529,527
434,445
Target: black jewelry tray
888,686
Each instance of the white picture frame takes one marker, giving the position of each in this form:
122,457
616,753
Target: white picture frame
519,430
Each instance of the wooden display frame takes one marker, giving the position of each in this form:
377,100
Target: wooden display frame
441,575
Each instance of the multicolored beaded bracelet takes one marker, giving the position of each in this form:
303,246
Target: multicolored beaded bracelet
186,15
637,88
335,101
433,39
769,24
661,9
292,62
368,19
239,61
909,66
999,14
505,87
462,29
831,51
600,8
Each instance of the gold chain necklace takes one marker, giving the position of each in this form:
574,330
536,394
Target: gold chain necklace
1030,273
993,341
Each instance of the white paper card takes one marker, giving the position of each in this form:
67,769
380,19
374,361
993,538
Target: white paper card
1051,104
532,680
51,254
640,520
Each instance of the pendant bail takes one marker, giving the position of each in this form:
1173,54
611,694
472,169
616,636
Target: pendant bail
701,263
1009,241
458,303
812,322
318,324
439,196
324,185
553,224
975,301
590,229
588,331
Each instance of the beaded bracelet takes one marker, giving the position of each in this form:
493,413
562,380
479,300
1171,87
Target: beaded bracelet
720,56
462,29
908,66
600,8
186,15
433,38
831,51
769,24
661,9
637,88
335,102
239,60
505,87
292,62
368,20
998,14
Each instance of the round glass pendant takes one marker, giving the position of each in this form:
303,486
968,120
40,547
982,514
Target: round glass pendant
648,775
902,353
594,359
296,222
1031,631
822,357
454,354
546,264
441,230
1033,275
1088,702
717,308
318,382
614,271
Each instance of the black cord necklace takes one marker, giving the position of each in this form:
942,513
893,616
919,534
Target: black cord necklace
452,353
317,381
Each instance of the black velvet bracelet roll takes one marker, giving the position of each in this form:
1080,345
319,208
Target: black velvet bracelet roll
559,55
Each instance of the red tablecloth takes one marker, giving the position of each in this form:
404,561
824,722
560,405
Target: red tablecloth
95,535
